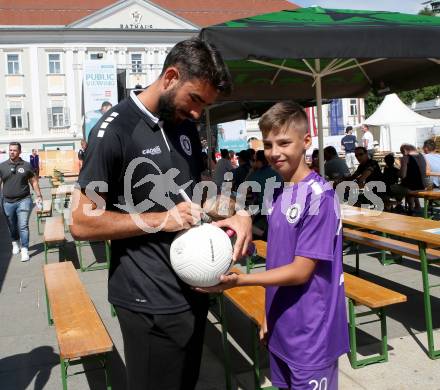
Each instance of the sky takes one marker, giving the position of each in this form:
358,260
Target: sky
406,6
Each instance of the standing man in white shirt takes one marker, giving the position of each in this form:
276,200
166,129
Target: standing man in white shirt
368,141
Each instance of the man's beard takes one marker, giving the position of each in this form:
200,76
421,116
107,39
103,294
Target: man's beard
167,108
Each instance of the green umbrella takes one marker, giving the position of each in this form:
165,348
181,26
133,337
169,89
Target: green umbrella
316,53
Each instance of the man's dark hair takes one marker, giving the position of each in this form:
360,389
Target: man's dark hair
106,104
429,144
331,151
197,59
259,156
389,159
224,153
251,153
406,148
361,148
18,144
348,128
244,155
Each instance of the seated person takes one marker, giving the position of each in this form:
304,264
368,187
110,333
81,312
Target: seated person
334,167
413,175
367,171
390,176
223,165
432,163
261,174
314,166
240,173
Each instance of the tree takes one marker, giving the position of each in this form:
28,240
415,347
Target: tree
427,12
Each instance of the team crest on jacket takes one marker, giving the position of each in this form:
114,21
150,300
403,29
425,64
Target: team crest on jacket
186,144
293,213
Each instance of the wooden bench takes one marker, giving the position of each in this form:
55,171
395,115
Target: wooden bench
79,329
54,236
377,298
45,212
387,244
250,301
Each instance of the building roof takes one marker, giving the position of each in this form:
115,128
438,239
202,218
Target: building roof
47,12
433,104
207,12
199,12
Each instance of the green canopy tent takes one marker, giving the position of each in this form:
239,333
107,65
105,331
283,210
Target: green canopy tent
316,53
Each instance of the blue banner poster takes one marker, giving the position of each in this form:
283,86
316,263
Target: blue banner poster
336,118
100,91
232,136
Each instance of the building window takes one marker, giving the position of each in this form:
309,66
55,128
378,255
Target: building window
13,63
96,56
58,116
136,63
15,118
54,63
353,107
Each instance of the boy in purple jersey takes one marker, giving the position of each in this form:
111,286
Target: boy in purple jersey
306,320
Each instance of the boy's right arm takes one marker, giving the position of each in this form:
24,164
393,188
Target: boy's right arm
293,274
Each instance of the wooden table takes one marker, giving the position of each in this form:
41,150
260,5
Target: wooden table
428,197
413,228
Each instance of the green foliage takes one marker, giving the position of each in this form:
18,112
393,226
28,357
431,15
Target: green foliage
371,103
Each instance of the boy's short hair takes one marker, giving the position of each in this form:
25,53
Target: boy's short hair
429,144
348,128
283,116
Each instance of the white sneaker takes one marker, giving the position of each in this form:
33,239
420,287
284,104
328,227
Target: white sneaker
24,254
15,248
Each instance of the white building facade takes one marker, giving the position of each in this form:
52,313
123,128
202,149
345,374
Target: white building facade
41,68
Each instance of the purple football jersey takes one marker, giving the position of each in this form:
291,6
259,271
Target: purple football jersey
307,324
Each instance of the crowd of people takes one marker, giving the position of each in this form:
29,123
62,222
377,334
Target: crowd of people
412,171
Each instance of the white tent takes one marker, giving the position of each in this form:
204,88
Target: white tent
393,124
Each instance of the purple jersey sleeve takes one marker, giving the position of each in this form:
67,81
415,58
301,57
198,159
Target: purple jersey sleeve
321,220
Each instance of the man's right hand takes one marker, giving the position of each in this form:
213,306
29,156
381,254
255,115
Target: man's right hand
180,217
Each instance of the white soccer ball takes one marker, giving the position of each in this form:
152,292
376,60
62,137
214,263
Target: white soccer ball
200,255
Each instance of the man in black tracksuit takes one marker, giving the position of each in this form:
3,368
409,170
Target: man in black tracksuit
139,154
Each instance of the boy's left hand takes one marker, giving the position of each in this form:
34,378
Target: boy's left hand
241,223
226,282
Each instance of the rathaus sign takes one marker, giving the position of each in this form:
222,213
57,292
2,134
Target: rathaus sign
136,25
